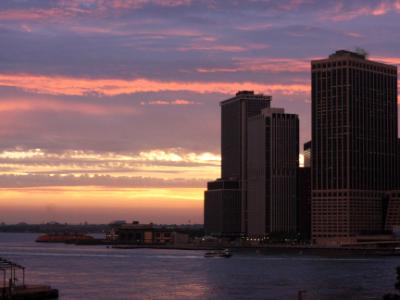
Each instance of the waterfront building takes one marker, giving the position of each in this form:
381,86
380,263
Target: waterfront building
354,145
273,160
222,208
235,113
148,234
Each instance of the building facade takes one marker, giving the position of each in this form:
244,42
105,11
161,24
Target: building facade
136,233
304,203
273,159
391,214
222,208
354,142
235,113
221,214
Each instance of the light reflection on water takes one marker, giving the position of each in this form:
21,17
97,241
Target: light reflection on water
97,272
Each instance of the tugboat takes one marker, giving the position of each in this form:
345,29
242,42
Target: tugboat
219,253
63,238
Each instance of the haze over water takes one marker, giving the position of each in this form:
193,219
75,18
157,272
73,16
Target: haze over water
100,273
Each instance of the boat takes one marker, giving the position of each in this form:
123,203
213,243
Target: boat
63,238
219,253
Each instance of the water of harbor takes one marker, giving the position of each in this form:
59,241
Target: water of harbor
97,273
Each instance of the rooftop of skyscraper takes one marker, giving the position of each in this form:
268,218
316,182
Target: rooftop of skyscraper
247,95
362,54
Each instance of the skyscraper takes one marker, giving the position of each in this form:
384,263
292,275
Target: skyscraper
223,196
235,113
354,138
273,159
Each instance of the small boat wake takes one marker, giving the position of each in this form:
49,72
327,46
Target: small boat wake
219,253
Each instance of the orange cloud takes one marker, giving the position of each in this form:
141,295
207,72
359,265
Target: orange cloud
74,86
58,106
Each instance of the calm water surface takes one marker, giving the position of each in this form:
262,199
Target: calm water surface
99,273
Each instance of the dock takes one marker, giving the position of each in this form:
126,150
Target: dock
13,286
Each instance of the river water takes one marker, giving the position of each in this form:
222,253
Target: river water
101,273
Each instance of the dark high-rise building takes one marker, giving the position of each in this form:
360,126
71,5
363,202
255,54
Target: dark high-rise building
304,195
224,196
354,140
273,160
304,203
234,121
234,118
222,208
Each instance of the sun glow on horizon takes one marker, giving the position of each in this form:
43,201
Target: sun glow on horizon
101,204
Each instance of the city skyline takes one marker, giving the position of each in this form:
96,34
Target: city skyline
118,118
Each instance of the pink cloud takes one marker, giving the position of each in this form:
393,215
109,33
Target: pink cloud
254,26
222,48
207,44
77,86
71,8
129,4
343,13
169,102
31,14
61,106
293,4
271,65
387,60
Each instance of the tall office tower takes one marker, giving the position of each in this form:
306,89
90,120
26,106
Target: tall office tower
304,203
273,160
222,208
304,195
234,119
354,137
307,154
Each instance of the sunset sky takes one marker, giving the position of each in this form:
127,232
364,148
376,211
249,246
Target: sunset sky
109,108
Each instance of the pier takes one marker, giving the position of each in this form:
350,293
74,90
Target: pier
13,286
